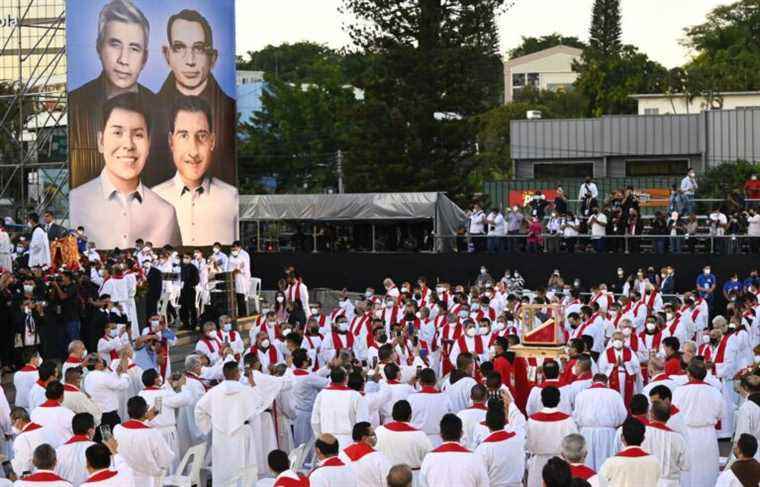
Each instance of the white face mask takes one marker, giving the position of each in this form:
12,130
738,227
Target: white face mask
113,332
404,289
227,327
482,270
484,331
669,316
343,326
378,313
492,351
280,299
756,359
286,332
28,288
314,311
27,310
216,251
651,326
440,290
154,324
626,332
617,344
211,334
474,307
471,332
463,313
15,431
265,343
368,294
705,339
498,326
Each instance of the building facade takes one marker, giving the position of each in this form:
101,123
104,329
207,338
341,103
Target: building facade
680,104
550,69
633,145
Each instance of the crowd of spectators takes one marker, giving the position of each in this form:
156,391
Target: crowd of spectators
615,223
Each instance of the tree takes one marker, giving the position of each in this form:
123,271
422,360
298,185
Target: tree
530,45
605,34
291,63
435,64
296,135
727,48
558,104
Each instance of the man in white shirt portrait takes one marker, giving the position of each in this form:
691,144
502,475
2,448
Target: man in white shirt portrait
207,207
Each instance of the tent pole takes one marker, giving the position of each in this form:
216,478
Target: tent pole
373,238
314,236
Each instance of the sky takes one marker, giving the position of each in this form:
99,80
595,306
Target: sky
655,26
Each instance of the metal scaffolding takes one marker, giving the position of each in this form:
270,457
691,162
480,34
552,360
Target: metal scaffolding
33,149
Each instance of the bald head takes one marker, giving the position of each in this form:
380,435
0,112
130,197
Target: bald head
399,476
326,446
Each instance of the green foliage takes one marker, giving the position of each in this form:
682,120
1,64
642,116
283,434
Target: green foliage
430,58
292,63
530,45
296,135
553,104
718,181
727,47
605,33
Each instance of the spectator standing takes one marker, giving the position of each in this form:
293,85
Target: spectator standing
733,228
538,205
675,230
598,230
676,200
706,283
515,221
630,202
692,228
633,228
477,227
569,225
753,230
588,190
553,229
733,285
560,201
659,229
752,191
534,235
718,225
689,188
67,297
497,231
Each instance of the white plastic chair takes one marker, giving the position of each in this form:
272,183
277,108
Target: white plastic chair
254,292
298,455
197,453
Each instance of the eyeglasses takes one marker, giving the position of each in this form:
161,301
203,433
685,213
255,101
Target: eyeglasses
197,49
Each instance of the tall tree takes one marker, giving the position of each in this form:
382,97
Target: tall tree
605,35
289,62
727,51
529,45
435,63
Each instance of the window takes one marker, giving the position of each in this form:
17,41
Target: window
518,80
656,168
533,79
651,111
563,170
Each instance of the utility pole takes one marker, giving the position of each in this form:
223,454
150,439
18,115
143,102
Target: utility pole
339,159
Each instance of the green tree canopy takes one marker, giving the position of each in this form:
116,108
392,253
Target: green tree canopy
530,45
290,62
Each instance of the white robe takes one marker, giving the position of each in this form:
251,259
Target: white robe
336,411
42,478
428,407
71,461
598,412
639,471
188,434
6,248
702,406
461,468
23,380
471,418
166,421
332,472
144,450
370,467
121,477
23,447
495,449
405,445
669,448
534,398
458,393
748,421
39,249
545,431
56,420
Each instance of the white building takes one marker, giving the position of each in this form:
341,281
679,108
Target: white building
550,69
680,104
248,77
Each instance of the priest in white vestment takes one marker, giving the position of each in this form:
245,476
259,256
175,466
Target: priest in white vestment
632,466
451,463
336,409
598,412
400,441
72,460
369,465
330,471
666,445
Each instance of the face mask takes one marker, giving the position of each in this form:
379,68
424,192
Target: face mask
147,266
706,271
440,290
280,299
15,430
404,289
482,270
28,288
463,313
418,315
227,327
474,307
626,332
756,359
314,311
471,332
618,344
368,294
113,332
265,343
343,326
101,273
235,253
498,326
389,304
669,316
211,334
732,327
216,251
286,332
378,313
706,339
27,310
484,330
154,324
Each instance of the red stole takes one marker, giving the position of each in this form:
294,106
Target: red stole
615,373
497,436
212,345
357,451
632,452
399,427
294,292
358,323
112,353
478,345
28,368
133,424
549,417
338,343
656,339
581,472
450,447
271,352
102,475
42,477
578,332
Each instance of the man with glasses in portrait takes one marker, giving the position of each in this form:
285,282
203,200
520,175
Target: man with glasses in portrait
191,56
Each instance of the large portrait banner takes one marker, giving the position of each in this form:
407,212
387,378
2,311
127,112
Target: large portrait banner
151,120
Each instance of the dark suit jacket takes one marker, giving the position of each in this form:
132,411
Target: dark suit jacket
56,231
224,123
85,114
190,277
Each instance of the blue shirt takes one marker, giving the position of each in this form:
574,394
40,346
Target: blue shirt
704,281
732,286
748,282
145,358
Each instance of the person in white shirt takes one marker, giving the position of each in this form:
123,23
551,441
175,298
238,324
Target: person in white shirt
39,247
28,437
497,230
399,390
279,464
111,343
666,445
72,461
336,408
632,466
25,377
306,386
209,343
429,406
143,447
588,189
104,387
52,416
499,445
400,441
77,354
369,465
48,372
239,264
574,452
451,463
477,227
101,474
473,415
44,475
330,471
745,470
227,335
458,385
598,412
545,431
598,224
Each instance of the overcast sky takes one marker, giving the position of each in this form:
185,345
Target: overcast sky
656,26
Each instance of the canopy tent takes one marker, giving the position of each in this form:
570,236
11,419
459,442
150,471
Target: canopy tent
358,207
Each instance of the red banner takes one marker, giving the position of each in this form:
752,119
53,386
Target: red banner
524,196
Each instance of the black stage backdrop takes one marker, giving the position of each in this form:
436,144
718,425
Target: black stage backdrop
357,271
